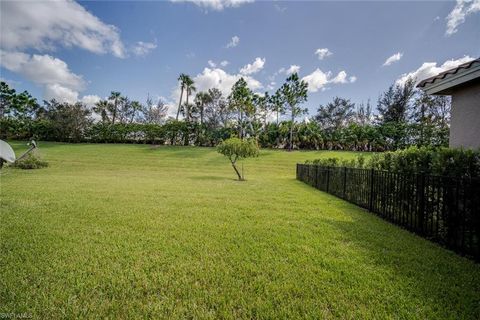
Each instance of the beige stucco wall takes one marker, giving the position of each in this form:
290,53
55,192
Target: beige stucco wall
465,117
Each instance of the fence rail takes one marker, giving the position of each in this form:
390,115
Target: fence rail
445,210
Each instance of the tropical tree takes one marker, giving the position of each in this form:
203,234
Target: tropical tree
13,104
293,93
363,114
241,101
430,118
115,96
189,88
262,107
102,108
154,114
336,114
70,121
135,108
277,105
393,106
202,99
183,80
215,110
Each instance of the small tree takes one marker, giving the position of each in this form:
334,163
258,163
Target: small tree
235,149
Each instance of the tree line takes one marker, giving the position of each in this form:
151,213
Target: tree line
403,116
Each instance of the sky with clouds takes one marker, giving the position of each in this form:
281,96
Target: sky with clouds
83,50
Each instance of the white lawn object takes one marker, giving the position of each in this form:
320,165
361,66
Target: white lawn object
6,152
8,155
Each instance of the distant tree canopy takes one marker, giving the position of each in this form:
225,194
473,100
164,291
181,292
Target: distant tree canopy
402,117
336,114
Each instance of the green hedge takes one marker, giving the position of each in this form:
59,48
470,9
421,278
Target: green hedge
415,160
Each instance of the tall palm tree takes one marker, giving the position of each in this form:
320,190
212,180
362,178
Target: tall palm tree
190,88
115,96
182,79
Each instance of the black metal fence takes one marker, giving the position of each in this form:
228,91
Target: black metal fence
442,209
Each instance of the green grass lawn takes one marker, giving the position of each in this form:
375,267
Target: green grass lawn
131,231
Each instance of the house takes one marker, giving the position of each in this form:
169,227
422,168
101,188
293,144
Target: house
463,84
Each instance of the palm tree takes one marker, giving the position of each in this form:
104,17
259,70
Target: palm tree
201,100
101,107
135,107
115,96
190,88
183,80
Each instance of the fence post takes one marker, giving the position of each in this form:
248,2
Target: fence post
296,171
328,178
344,181
370,202
421,203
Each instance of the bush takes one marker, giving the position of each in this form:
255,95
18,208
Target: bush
358,162
31,161
460,163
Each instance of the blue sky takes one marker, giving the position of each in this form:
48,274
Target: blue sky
85,50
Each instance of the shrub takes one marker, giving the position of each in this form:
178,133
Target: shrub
460,163
31,161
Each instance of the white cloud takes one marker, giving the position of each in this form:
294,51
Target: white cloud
41,69
393,58
216,5
143,48
60,93
234,42
43,24
51,73
457,16
64,94
217,78
90,100
318,79
430,69
293,68
322,53
254,67
341,77
213,64
286,71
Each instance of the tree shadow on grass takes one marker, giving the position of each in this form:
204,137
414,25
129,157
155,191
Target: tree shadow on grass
216,178
444,282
